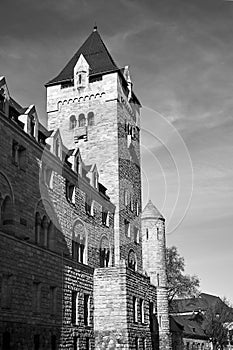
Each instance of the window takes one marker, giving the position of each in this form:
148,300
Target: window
57,147
76,343
90,119
36,342
2,101
127,228
88,203
86,309
6,291
53,342
137,208
48,177
147,233
144,344
79,243
43,237
105,217
131,203
132,263
36,293
73,122
32,126
137,343
19,157
81,120
135,309
7,212
87,343
157,232
70,192
74,306
160,321
53,300
6,341
104,252
142,315
158,280
125,197
136,235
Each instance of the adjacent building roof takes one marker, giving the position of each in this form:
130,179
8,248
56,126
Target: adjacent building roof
95,53
190,305
150,211
191,328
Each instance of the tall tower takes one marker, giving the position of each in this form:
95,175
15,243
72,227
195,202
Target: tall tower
154,263
93,104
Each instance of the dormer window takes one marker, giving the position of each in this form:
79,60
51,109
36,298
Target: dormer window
32,127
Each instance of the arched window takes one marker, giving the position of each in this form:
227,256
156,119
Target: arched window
79,243
90,118
104,252
73,122
81,120
132,260
7,211
50,236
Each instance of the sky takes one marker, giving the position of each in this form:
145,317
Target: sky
180,54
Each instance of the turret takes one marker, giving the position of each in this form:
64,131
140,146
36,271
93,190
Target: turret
154,264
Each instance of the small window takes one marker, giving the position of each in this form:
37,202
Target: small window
48,177
125,197
73,122
70,192
144,344
136,235
57,147
32,126
147,234
87,343
6,288
157,229
76,343
36,294
158,280
132,262
105,217
127,228
137,208
160,321
81,120
86,309
135,309
142,315
131,203
104,252
90,119
88,205
74,306
53,299
36,342
53,342
2,100
137,343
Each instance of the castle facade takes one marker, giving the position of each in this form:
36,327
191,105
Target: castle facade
81,266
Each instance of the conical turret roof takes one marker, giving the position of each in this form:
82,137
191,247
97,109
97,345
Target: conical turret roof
150,211
95,53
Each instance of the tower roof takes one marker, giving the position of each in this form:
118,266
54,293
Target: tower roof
95,53
150,211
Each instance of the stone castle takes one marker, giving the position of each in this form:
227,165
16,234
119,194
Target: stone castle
81,266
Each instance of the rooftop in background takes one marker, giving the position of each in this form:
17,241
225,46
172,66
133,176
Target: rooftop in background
96,54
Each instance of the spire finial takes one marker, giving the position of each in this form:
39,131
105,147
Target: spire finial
95,27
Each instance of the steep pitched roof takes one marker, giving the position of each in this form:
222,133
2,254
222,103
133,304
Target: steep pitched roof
96,54
150,211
